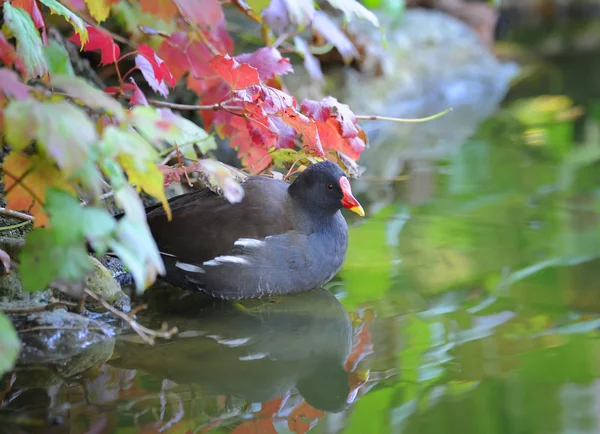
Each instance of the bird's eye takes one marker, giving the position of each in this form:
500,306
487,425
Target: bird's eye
330,187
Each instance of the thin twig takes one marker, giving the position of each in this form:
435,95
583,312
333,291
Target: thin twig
43,308
17,226
176,106
148,335
247,10
416,120
16,214
136,309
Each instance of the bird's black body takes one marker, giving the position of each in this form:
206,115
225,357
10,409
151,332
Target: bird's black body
279,239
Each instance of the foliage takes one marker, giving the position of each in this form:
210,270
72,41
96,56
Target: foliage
67,139
9,344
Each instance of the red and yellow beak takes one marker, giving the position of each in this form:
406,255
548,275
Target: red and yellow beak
349,201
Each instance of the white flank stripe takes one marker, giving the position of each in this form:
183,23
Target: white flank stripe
256,356
219,260
248,242
189,267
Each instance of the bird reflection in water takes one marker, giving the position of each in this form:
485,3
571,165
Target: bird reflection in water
260,351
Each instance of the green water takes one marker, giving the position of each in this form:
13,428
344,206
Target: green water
473,309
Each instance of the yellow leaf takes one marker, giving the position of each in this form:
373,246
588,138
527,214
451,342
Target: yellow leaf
26,180
148,179
99,9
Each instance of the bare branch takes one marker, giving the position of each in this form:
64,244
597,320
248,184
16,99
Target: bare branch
16,214
416,120
148,335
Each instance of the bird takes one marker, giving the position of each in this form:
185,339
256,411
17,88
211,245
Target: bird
279,239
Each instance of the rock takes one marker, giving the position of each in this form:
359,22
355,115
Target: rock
102,283
10,286
69,342
432,62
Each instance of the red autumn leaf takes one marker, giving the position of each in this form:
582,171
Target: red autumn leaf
329,107
11,86
115,90
161,71
164,9
238,76
154,70
99,40
205,13
183,55
255,158
138,96
307,128
267,61
32,9
8,54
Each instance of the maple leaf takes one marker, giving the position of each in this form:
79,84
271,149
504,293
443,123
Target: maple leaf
136,156
99,40
205,13
185,56
134,243
8,54
337,125
267,61
137,97
94,98
352,8
161,126
325,26
11,86
99,9
32,9
283,15
311,63
164,9
26,179
75,21
58,59
238,76
67,138
154,70
29,43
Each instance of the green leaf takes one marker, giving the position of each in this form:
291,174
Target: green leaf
29,42
164,126
60,251
258,5
62,130
137,157
42,260
9,345
94,98
75,21
72,223
134,244
58,59
352,9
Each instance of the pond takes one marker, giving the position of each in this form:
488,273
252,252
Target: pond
467,304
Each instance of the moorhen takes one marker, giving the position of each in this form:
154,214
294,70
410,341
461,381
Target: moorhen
280,239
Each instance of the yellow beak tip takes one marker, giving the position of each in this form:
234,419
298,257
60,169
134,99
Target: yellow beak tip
358,210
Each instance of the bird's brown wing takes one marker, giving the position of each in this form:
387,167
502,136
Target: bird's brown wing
205,225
